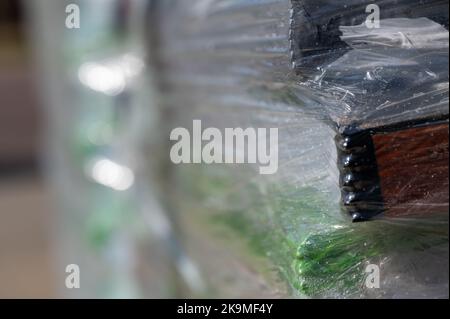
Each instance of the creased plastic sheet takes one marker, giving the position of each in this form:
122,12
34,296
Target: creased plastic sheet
261,64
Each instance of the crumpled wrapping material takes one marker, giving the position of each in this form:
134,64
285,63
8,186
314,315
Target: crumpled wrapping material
245,63
307,67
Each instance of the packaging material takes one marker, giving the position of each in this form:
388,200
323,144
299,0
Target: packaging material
358,90
362,118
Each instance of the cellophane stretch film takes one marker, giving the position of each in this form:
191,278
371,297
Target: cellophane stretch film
316,71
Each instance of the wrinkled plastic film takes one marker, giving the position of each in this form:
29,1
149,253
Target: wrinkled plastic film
344,98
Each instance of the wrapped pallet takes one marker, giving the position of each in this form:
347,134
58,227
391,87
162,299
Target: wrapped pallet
249,148
358,92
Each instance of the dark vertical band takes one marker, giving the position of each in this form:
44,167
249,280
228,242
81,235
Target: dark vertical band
359,180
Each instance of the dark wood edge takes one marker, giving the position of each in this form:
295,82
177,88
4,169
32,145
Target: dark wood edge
359,181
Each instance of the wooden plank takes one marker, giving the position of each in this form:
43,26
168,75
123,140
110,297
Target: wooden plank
413,169
395,170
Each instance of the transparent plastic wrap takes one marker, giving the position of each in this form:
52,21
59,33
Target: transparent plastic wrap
362,118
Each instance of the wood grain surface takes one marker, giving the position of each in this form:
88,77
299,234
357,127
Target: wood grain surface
413,169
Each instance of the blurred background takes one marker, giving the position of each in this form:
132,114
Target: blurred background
25,209
69,151
77,122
